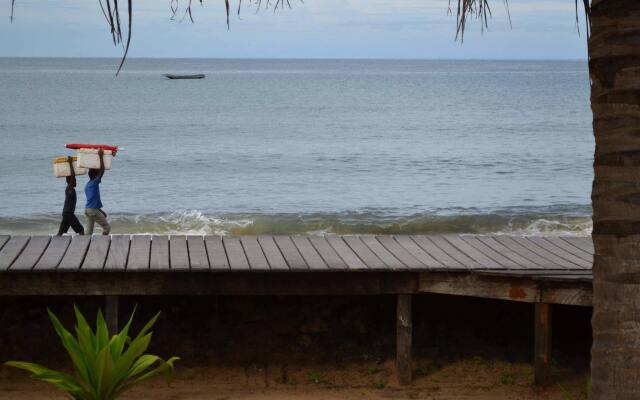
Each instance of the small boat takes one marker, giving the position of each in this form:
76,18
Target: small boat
191,76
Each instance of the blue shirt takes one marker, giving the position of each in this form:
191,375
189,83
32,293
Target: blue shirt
92,192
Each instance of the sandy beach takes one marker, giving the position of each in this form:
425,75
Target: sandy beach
473,378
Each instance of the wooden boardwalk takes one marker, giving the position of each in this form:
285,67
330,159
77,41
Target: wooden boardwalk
558,258
540,270
556,270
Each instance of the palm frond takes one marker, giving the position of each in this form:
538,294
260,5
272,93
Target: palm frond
480,10
587,17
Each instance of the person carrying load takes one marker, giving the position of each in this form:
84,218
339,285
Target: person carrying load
93,209
69,218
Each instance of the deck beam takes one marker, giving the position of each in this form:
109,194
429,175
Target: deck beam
195,283
512,288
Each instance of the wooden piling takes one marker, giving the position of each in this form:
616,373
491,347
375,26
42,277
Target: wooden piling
111,313
542,347
404,328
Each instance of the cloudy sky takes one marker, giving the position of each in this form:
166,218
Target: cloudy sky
542,29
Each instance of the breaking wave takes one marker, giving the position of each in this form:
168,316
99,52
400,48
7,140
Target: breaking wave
193,222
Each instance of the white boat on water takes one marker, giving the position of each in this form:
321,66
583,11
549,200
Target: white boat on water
188,76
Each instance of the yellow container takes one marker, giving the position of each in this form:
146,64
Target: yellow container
61,167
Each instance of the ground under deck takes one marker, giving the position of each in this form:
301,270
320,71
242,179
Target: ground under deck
540,270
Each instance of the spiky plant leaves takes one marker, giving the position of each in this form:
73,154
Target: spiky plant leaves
60,380
104,367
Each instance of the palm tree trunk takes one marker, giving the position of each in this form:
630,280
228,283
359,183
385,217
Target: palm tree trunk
614,64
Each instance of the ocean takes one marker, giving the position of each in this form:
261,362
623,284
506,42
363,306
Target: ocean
304,146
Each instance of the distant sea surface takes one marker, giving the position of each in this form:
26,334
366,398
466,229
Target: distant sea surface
304,146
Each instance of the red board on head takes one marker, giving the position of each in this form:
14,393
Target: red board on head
106,147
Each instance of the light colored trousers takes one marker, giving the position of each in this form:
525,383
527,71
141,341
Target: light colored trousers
94,215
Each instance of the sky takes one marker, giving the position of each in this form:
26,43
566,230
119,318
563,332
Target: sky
406,29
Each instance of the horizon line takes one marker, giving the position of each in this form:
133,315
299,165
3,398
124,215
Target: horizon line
292,58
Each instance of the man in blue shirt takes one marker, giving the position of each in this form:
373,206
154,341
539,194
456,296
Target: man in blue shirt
93,209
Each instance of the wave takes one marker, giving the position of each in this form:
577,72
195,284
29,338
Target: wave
555,221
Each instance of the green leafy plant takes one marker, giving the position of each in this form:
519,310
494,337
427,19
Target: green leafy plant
314,377
565,394
506,378
374,369
427,368
380,384
104,368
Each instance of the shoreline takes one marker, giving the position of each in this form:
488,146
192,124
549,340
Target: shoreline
194,222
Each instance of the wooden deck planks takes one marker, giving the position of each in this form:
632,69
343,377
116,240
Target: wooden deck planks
500,259
309,253
544,253
237,259
437,253
455,253
75,254
382,253
364,253
198,257
584,244
416,251
294,253
12,250
96,254
53,254
291,254
256,257
218,260
492,243
31,253
272,253
560,252
558,242
4,239
350,258
159,253
118,253
139,253
328,254
400,252
524,252
178,253
473,253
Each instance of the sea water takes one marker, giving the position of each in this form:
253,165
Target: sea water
304,146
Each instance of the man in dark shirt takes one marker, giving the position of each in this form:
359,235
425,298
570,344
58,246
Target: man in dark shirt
69,218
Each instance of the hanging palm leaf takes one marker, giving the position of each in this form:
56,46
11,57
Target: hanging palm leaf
478,9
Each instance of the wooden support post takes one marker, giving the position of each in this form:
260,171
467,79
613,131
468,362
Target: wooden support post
111,313
404,329
542,348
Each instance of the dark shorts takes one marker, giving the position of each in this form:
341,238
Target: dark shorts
70,220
